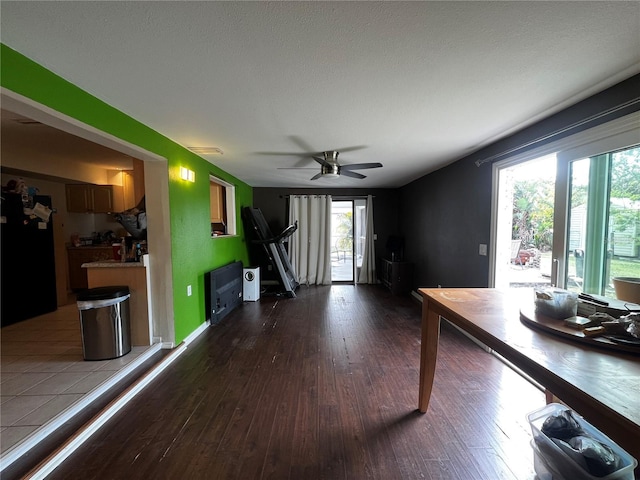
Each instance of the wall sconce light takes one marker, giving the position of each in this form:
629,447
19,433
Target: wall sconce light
186,174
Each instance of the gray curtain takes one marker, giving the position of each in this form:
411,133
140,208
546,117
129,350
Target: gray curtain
310,245
368,269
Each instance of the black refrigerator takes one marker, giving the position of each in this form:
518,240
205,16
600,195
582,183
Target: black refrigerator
28,261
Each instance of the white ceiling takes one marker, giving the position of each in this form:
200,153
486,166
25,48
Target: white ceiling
418,85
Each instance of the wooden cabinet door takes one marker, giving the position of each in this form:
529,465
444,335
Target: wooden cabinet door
78,256
87,198
217,203
128,191
78,198
102,196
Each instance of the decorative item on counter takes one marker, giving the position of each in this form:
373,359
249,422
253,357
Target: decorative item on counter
556,302
117,255
84,241
131,250
123,249
580,323
144,248
634,324
594,331
75,239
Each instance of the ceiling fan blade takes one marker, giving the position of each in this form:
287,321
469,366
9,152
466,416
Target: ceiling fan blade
304,146
350,149
347,173
283,154
316,176
321,161
297,168
360,166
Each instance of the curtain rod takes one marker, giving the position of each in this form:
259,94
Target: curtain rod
560,131
339,197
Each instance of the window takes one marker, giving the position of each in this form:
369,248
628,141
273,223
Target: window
603,220
596,213
222,207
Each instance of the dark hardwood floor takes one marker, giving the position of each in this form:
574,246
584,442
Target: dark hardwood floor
323,386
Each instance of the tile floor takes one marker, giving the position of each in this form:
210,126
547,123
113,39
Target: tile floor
42,372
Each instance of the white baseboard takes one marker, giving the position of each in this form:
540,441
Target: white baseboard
196,333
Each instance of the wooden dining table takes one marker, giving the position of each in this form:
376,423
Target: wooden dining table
602,385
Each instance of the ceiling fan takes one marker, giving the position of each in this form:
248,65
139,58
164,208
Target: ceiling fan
330,167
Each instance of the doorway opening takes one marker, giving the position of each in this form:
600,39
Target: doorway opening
342,264
348,229
524,227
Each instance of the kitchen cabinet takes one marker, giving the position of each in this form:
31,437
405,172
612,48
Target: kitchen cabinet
128,191
87,198
396,276
77,256
217,203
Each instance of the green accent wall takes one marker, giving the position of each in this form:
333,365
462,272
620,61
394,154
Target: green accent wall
193,251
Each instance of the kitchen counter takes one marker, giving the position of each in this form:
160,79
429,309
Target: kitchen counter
77,257
136,276
113,264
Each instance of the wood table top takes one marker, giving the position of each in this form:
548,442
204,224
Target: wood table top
596,382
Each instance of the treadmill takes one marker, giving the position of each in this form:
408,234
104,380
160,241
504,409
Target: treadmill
271,248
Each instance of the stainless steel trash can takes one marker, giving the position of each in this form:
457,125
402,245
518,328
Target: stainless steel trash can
104,320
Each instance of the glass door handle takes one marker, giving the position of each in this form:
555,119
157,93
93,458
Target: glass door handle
554,272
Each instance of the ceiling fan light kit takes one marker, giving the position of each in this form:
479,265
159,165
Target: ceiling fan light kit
330,167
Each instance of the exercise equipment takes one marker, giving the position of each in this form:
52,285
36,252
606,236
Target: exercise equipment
267,250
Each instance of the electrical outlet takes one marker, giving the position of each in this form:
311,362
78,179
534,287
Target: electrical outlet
188,290
483,249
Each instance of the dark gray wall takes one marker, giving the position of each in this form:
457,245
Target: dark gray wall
386,216
446,214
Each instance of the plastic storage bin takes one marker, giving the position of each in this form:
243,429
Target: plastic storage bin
104,320
556,303
552,463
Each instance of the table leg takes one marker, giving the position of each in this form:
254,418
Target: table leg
428,354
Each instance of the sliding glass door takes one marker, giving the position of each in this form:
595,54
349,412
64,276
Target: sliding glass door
599,221
595,228
348,230
342,241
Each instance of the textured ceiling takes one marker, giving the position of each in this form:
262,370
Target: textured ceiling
417,85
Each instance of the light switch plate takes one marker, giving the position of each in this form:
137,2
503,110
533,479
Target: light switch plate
483,249
188,290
